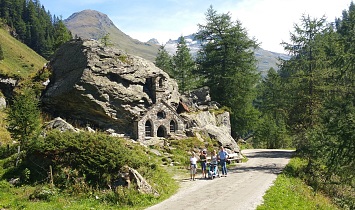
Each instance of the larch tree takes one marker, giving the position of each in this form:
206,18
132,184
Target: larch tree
184,67
164,61
228,67
24,118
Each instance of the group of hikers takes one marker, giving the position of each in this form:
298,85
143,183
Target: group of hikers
220,157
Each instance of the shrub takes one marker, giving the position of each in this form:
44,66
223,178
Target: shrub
76,157
43,193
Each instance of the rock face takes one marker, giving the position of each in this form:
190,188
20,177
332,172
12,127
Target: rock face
7,86
103,86
107,89
60,124
215,126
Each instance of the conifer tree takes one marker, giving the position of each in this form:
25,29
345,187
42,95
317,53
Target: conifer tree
271,129
184,67
304,74
228,66
105,40
164,61
24,117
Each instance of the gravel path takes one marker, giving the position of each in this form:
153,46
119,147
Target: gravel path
243,188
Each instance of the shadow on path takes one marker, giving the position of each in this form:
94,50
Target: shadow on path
263,167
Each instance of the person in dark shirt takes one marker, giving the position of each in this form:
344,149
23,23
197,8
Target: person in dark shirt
203,162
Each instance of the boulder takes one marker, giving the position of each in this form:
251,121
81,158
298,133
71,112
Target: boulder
61,125
128,175
215,126
2,103
199,99
102,86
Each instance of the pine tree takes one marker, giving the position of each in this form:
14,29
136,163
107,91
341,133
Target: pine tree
184,67
34,26
24,117
61,34
271,130
227,64
164,61
304,74
105,40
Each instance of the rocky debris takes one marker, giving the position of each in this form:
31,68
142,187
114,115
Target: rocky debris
199,99
60,124
14,181
102,86
2,103
129,175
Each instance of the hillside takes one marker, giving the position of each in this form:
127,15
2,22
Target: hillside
90,24
20,60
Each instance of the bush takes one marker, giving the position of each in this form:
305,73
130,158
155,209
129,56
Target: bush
43,193
75,157
7,151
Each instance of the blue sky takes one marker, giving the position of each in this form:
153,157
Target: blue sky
269,21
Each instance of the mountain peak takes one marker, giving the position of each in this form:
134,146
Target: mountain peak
153,41
91,24
94,24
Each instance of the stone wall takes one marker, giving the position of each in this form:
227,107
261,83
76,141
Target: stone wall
160,117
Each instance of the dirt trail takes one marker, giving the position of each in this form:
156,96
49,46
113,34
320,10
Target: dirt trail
243,188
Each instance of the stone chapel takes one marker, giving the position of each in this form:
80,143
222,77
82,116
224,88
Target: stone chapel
161,119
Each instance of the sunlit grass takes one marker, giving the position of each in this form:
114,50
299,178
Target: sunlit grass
19,59
289,192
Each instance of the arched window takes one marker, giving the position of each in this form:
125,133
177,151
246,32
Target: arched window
161,132
148,129
172,126
161,82
161,115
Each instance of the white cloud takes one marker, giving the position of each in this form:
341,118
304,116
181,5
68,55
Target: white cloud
271,21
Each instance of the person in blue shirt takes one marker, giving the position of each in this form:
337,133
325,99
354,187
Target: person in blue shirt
222,156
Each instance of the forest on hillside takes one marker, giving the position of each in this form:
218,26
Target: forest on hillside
34,26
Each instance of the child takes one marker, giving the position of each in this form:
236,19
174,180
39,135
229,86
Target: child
193,166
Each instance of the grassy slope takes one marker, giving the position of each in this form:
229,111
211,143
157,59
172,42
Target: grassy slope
18,197
290,192
19,59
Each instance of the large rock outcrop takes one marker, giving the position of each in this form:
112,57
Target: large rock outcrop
105,88
214,125
102,86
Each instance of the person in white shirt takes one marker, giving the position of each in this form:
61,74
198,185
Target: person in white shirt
193,166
